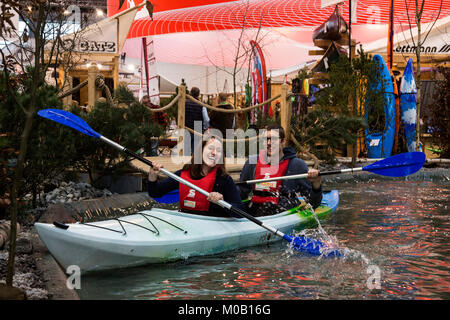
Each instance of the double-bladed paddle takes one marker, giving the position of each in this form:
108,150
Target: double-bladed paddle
399,165
299,243
396,166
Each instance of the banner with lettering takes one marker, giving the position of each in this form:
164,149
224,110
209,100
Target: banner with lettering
153,80
107,36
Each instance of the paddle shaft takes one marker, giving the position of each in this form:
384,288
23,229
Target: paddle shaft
301,176
222,203
405,164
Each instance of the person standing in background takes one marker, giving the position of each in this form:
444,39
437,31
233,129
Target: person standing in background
221,120
193,112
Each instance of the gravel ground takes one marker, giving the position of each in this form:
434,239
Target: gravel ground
26,275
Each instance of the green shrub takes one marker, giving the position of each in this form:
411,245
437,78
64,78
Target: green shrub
338,114
50,146
321,128
130,126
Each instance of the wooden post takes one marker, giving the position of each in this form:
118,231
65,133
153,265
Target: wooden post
65,83
60,80
92,90
285,111
116,72
67,101
181,114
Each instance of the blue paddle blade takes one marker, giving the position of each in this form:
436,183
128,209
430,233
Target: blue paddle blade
170,197
311,246
399,165
70,120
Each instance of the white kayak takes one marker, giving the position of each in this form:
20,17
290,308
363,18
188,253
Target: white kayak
159,235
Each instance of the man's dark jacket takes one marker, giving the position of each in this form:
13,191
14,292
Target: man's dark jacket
296,166
193,112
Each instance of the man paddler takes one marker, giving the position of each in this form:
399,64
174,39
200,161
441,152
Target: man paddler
276,160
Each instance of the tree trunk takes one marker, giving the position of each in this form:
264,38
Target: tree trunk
418,84
418,93
30,110
35,195
354,113
14,194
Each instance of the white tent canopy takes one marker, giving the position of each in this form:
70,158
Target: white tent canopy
405,41
207,59
209,79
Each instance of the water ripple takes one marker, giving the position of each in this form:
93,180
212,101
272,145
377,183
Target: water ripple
396,237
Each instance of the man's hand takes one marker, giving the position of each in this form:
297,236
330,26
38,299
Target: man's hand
314,178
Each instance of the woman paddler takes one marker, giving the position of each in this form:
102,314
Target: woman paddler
210,175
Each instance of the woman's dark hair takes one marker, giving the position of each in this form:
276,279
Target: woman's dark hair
196,168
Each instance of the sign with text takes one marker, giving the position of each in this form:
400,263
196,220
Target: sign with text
437,43
89,41
105,36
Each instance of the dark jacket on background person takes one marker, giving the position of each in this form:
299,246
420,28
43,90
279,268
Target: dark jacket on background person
221,120
289,187
193,112
223,184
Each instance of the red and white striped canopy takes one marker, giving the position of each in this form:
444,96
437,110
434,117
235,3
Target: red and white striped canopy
203,15
205,32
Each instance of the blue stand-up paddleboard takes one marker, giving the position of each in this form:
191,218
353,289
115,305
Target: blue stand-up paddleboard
379,144
408,93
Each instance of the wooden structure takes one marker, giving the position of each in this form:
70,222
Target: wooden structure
318,78
108,66
285,111
91,51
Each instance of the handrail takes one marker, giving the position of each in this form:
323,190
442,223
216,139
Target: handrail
73,90
231,110
171,103
101,85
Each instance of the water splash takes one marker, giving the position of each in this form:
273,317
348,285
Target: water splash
327,245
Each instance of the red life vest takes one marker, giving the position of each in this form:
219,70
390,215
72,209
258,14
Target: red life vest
191,199
265,171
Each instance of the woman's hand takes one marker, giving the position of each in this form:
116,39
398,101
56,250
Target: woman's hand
314,178
215,197
153,171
